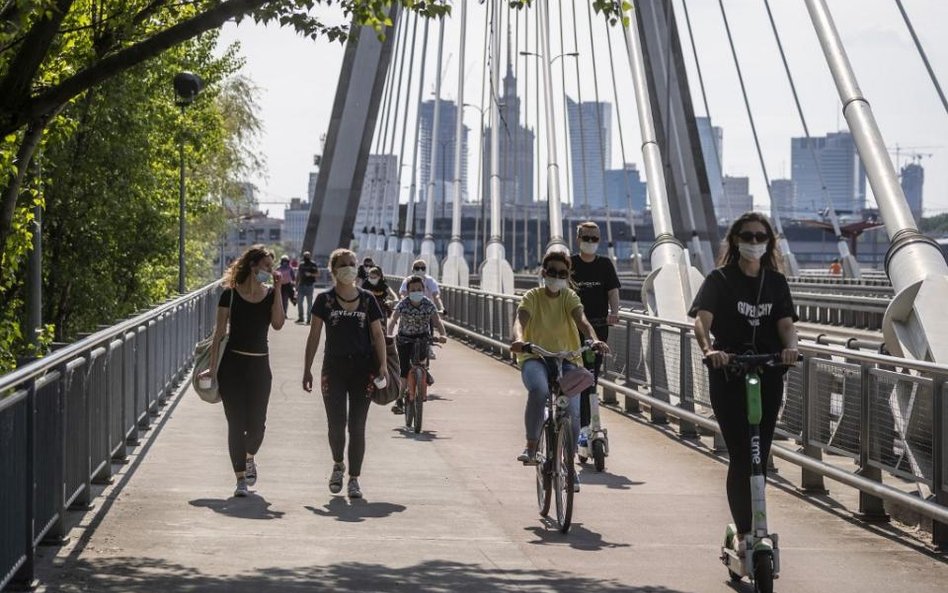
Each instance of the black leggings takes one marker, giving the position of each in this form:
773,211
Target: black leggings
244,385
602,332
344,382
729,401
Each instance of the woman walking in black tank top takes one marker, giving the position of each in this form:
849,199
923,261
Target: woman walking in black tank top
244,375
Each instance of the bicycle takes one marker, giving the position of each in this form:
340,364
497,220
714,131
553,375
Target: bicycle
762,565
555,447
416,392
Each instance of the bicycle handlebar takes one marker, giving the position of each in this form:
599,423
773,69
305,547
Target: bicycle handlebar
755,360
531,348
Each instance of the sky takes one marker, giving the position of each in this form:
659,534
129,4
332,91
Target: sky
297,79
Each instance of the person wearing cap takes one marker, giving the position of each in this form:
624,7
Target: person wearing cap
287,280
432,291
367,264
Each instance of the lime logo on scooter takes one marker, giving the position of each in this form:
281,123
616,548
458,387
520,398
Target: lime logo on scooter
755,449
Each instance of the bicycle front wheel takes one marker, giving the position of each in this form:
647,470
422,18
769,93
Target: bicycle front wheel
544,477
421,387
564,475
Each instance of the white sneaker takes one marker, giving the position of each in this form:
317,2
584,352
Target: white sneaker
241,490
575,482
335,479
250,473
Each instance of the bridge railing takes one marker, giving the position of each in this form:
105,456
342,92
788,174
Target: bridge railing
65,417
885,414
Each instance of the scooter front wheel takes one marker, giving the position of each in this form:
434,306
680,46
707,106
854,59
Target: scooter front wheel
764,572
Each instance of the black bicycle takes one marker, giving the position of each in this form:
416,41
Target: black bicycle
555,448
416,390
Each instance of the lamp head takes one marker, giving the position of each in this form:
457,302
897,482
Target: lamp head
187,85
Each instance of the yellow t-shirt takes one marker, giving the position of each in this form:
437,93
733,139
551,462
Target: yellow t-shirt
551,323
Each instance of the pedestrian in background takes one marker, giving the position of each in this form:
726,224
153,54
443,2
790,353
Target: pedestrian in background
306,277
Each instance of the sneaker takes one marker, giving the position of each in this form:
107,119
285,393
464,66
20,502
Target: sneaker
335,479
240,490
527,457
575,482
429,379
300,322
251,472
431,353
353,488
397,408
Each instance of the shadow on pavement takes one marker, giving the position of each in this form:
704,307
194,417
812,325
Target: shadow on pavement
578,538
588,475
251,507
403,432
356,511
146,575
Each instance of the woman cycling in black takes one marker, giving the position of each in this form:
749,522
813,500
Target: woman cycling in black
745,304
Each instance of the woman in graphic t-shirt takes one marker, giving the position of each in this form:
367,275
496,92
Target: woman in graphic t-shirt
355,352
745,305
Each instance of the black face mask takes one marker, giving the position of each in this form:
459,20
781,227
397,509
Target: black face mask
306,259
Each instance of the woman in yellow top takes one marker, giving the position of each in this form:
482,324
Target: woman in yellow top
552,318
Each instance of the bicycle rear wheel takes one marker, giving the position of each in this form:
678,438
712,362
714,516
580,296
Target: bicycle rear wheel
564,475
421,387
409,404
544,480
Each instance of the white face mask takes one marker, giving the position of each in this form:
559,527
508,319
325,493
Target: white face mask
373,280
416,297
263,276
346,274
554,284
588,248
752,251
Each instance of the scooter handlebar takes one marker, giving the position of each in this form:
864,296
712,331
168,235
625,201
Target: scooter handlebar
772,359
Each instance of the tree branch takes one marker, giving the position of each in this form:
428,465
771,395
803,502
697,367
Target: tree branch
116,63
11,190
16,86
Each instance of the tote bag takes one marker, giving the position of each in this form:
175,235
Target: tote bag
202,362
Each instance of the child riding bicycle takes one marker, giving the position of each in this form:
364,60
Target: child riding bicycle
414,315
549,317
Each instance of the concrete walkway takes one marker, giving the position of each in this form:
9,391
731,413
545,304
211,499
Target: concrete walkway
447,510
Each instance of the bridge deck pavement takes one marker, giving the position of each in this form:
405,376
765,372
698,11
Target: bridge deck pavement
448,510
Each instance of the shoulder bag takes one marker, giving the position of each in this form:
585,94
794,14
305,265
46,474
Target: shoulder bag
202,361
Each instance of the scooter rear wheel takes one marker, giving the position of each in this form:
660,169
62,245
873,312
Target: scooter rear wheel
599,455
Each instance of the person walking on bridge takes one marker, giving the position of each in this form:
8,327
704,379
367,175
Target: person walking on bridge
745,305
243,378
354,355
306,275
597,285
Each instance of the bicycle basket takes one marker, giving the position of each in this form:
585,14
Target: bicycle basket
576,380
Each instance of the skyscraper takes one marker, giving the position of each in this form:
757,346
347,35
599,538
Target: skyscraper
444,168
842,171
712,149
295,219
620,183
784,195
913,179
737,195
588,157
516,150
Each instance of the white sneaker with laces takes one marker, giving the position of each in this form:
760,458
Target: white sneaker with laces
241,490
250,473
353,489
335,479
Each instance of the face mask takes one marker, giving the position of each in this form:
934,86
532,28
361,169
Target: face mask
263,276
373,281
554,284
588,248
753,251
346,274
416,297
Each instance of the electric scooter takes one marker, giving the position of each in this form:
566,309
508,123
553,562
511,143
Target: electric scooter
760,560
593,439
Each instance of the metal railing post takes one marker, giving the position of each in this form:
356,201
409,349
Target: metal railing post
657,349
631,404
24,579
939,458
810,481
871,508
686,401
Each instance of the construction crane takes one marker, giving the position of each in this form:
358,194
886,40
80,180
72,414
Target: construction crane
913,152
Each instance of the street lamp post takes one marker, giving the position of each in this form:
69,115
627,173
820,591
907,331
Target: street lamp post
186,86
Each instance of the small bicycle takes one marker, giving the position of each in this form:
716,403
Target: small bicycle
555,448
762,565
416,391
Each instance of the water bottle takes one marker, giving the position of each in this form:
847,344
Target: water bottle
583,439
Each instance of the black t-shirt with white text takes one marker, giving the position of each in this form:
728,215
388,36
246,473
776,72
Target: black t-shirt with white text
593,282
741,303
347,332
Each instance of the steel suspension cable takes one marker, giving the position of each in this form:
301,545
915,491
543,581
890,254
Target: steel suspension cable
567,135
602,144
579,116
480,213
410,212
401,150
921,52
750,117
806,128
707,112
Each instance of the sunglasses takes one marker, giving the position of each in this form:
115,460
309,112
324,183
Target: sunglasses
418,269
589,238
562,274
749,237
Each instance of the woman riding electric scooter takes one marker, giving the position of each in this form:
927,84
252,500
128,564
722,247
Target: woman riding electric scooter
745,304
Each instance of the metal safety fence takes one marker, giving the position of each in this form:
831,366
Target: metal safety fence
886,414
65,418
